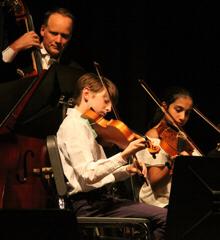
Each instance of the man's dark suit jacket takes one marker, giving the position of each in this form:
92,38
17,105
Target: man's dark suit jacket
43,113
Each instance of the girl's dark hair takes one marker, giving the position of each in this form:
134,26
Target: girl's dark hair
169,96
172,93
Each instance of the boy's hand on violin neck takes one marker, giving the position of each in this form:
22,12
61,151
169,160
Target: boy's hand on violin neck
133,147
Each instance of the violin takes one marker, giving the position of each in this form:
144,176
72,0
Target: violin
115,131
172,142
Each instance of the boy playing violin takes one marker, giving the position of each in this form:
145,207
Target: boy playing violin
86,166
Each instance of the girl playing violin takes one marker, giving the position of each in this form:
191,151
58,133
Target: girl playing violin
177,105
86,166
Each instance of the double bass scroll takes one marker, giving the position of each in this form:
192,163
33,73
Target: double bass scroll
23,17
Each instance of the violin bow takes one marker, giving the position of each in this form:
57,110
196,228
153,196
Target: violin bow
100,75
196,110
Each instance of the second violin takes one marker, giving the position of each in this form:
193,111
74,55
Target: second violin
172,142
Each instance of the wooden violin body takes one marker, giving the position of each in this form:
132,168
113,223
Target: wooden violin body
172,142
115,131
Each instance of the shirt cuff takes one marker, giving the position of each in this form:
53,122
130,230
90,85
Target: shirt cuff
8,55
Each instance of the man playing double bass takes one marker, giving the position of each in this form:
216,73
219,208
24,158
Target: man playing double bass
41,115
56,32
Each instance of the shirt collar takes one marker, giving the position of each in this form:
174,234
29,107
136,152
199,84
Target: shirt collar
78,114
43,50
74,111
44,54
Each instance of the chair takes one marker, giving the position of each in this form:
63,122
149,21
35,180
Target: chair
95,228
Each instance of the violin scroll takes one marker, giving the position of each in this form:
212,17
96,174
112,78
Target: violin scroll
23,17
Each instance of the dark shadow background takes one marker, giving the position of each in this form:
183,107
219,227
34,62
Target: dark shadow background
164,43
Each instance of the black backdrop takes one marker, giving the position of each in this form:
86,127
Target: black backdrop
163,42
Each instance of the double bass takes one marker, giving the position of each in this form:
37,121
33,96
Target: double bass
24,166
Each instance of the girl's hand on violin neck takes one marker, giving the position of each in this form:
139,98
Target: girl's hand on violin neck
133,147
172,159
183,153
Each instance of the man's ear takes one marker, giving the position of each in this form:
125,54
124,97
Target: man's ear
42,29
